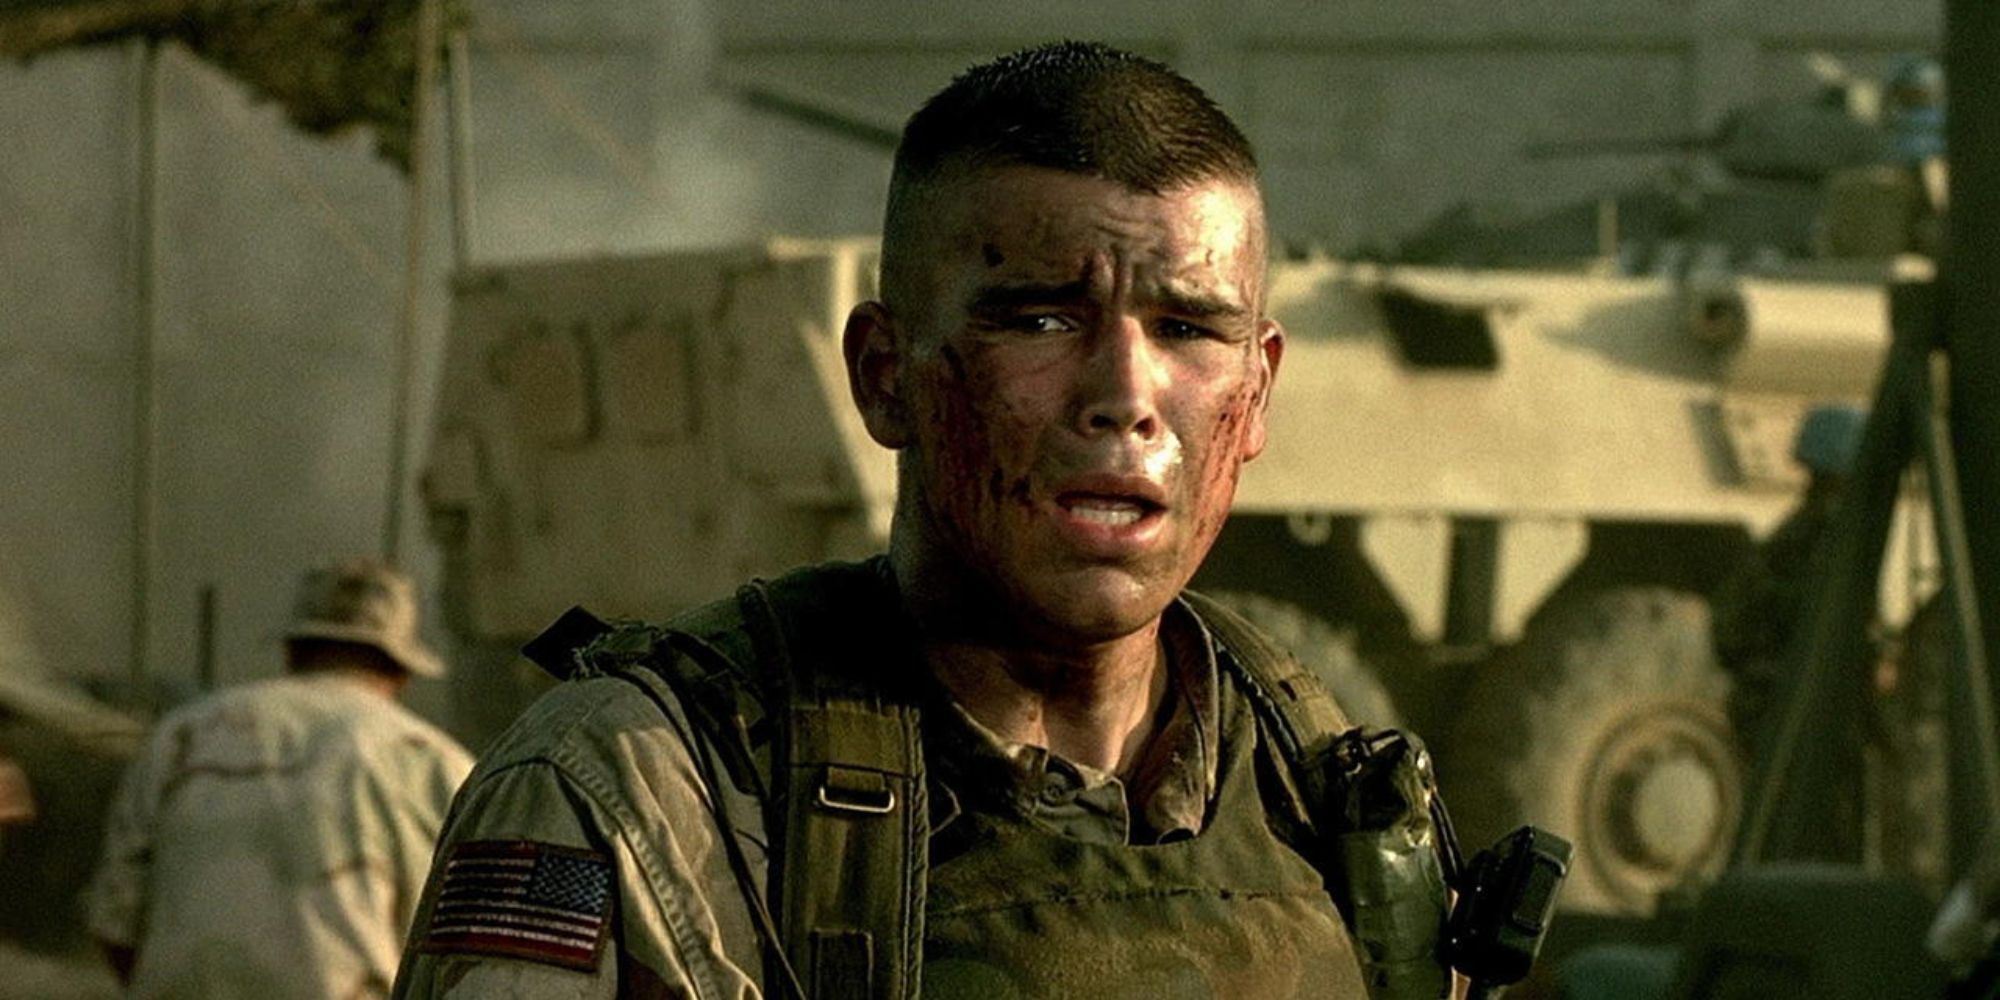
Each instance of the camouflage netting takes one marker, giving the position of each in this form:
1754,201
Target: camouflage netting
331,63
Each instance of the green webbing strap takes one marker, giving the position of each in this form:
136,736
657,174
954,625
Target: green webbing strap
1387,882
1303,716
851,824
848,816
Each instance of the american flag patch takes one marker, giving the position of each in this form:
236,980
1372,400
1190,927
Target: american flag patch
522,899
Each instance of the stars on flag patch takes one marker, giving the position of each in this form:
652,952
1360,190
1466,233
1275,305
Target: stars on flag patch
522,899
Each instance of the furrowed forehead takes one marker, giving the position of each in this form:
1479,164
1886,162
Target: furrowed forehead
1033,233
1073,107
927,214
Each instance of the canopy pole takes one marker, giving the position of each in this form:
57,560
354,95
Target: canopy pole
1971,279
145,333
429,16
459,75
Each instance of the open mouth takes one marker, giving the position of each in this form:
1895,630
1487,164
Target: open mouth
1110,511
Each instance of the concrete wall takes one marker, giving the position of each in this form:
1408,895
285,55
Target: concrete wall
595,131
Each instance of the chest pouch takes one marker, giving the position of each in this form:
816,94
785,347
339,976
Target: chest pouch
1392,856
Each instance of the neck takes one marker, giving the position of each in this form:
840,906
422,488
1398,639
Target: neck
1092,702
372,681
1095,708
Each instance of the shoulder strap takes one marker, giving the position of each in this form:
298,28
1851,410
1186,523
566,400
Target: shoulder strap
1303,719
721,697
850,820
797,685
1367,804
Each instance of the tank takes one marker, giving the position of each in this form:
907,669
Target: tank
1854,171
1495,505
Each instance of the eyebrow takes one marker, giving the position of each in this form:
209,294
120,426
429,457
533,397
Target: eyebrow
1201,306
1003,298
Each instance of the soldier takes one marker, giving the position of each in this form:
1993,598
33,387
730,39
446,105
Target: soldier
1011,758
1762,605
272,839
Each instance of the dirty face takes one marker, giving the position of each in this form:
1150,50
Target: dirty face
1076,376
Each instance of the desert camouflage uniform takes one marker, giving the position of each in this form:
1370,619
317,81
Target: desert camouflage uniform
596,768
272,842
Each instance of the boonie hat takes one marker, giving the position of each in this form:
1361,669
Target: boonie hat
366,602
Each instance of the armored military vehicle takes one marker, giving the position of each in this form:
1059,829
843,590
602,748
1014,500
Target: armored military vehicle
1856,171
1494,504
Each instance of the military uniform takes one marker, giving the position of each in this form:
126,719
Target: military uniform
272,840
1044,877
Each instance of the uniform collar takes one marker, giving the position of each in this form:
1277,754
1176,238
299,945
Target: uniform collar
1164,798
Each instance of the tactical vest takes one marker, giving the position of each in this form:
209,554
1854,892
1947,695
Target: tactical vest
1017,912
805,687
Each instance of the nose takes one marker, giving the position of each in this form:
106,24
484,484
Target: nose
1117,393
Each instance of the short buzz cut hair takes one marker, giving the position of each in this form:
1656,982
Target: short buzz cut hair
1078,107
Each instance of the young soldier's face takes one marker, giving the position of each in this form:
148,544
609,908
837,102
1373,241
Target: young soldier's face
1078,376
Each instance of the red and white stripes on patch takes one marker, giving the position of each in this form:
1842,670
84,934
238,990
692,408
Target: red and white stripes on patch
522,899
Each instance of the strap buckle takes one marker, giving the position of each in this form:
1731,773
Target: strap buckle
863,793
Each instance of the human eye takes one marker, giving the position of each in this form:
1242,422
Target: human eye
1174,328
1038,323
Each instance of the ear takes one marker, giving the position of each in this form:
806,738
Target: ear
1269,352
874,362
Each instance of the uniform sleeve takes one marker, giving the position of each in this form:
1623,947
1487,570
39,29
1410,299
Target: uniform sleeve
533,810
115,902
523,804
411,796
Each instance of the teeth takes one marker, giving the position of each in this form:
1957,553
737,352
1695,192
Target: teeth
1100,512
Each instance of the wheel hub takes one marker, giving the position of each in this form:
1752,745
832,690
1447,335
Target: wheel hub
1662,799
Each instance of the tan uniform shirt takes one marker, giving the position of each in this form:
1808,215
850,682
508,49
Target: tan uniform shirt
272,841
593,767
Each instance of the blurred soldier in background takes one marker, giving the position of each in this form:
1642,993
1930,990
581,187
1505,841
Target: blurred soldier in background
1763,604
1914,109
1914,116
272,839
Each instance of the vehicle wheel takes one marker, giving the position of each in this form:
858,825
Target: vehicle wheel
1607,725
1326,651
